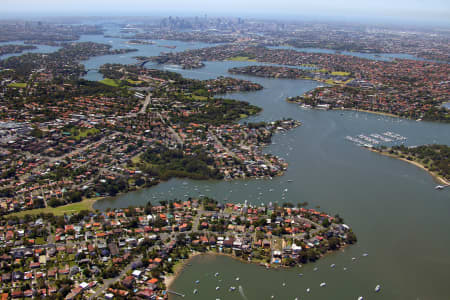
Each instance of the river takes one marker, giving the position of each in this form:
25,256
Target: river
398,216
400,219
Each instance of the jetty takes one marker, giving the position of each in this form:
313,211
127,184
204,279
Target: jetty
175,293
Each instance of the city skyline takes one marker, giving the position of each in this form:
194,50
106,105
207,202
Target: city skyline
435,11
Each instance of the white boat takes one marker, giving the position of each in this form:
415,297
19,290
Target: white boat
237,278
232,288
195,291
365,254
217,288
284,284
323,284
360,298
332,265
377,288
315,269
217,274
197,281
441,187
308,290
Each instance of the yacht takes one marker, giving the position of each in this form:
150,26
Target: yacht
323,284
377,288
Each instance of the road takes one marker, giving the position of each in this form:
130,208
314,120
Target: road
172,131
108,282
145,105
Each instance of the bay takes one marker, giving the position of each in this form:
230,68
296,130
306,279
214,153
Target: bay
400,220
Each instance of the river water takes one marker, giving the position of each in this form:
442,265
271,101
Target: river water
400,219
398,216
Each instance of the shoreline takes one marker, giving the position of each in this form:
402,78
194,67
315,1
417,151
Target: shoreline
170,279
437,178
375,112
356,110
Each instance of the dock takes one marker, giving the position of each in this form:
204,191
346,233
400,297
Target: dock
175,293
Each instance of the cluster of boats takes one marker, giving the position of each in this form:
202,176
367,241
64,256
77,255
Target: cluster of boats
231,289
308,290
375,139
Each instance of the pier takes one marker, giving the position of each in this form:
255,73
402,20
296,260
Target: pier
175,293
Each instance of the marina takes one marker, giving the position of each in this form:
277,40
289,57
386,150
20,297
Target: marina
373,139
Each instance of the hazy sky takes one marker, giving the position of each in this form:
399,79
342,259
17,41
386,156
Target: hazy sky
438,10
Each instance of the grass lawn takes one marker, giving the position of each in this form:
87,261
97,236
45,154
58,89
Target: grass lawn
18,85
110,82
40,241
340,73
86,204
134,82
78,133
199,98
241,58
136,159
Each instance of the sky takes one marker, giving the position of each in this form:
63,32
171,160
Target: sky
420,10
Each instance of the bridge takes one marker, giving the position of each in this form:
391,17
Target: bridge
142,63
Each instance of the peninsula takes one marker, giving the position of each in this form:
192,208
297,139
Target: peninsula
68,139
132,252
435,159
407,88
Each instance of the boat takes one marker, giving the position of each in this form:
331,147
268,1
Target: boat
315,269
284,284
195,291
353,258
237,278
308,290
217,288
197,281
360,298
290,180
332,265
232,288
377,288
441,187
323,284
365,254
217,274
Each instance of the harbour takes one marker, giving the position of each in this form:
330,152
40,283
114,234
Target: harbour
381,197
